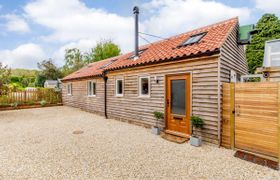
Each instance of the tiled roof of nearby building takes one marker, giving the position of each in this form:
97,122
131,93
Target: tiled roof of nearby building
164,50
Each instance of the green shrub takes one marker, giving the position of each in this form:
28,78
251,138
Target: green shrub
30,103
197,122
158,115
15,104
43,103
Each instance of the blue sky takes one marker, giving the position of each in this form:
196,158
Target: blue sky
33,30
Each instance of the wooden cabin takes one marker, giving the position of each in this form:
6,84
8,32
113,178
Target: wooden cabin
180,76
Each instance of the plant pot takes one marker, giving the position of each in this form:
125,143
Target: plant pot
155,130
195,141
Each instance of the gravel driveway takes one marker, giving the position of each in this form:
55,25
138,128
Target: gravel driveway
40,144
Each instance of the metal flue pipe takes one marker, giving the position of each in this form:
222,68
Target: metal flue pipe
136,13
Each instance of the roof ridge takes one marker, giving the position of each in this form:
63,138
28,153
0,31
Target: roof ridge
174,36
165,49
188,32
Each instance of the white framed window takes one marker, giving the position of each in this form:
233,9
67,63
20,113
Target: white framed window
119,87
69,89
91,88
144,86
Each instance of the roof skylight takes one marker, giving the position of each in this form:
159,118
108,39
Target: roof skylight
193,39
140,52
108,64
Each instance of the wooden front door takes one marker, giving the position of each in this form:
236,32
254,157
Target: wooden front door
178,104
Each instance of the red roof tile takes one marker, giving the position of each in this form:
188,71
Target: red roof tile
164,50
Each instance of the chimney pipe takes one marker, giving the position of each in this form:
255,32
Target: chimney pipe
136,12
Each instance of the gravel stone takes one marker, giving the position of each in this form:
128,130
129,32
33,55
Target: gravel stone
40,144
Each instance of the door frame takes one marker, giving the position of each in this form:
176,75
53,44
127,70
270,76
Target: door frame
165,93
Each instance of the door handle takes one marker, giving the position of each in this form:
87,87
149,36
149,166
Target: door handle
237,110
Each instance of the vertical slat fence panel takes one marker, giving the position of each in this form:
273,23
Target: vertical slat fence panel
31,96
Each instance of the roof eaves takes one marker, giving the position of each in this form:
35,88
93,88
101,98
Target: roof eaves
177,58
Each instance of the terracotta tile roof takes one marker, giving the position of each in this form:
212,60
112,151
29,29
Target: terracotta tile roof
164,50
92,69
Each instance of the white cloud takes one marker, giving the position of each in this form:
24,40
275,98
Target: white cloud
174,16
72,21
16,24
24,56
73,24
270,6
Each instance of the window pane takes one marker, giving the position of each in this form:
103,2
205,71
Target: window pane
93,88
89,88
119,87
144,86
69,91
178,97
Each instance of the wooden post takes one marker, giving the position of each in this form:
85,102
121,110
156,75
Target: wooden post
278,128
232,115
24,96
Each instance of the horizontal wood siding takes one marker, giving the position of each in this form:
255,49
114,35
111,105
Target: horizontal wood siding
232,56
131,107
80,99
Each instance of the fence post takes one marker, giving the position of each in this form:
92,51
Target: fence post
232,115
278,129
24,96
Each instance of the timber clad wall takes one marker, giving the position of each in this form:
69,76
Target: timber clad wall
139,109
232,57
80,99
208,73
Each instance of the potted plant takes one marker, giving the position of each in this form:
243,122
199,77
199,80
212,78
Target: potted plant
155,129
197,123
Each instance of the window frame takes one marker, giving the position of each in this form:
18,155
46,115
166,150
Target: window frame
116,87
140,86
69,87
192,37
93,93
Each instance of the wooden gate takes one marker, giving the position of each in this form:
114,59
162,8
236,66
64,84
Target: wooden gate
251,117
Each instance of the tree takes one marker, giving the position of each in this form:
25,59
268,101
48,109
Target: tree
49,70
73,61
5,74
269,28
103,50
40,80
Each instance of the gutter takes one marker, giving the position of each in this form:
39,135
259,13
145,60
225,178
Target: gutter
105,78
219,101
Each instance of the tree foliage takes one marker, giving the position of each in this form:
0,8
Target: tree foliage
104,49
269,29
49,70
73,61
23,72
5,74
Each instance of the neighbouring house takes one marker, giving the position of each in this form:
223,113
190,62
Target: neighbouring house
180,76
51,84
270,71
